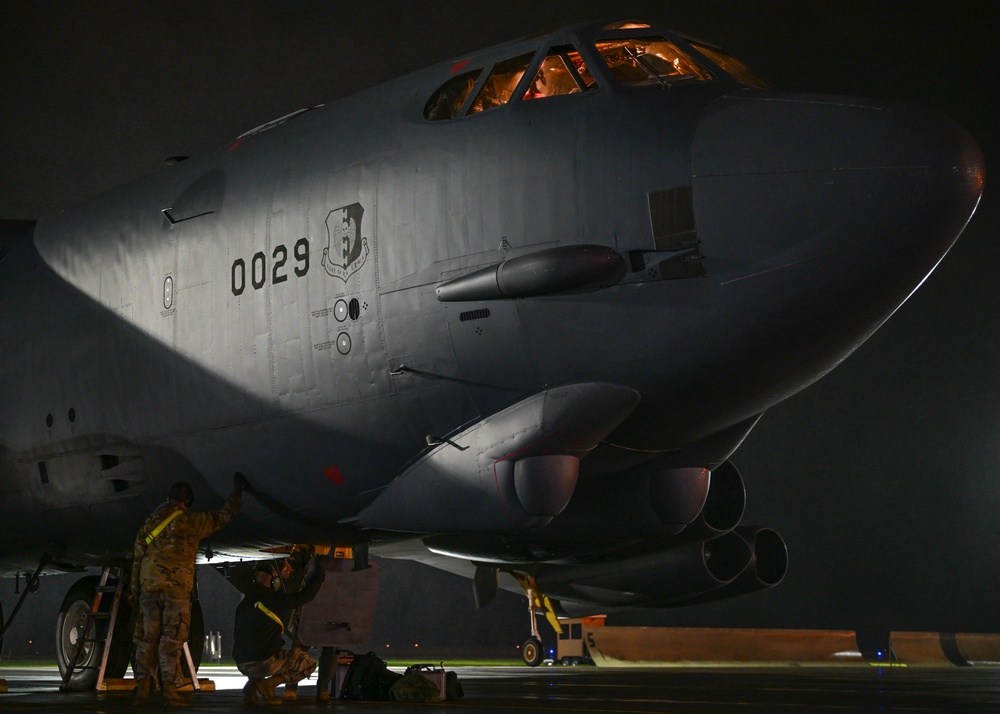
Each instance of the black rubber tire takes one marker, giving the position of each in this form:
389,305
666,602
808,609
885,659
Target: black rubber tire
72,614
531,651
122,644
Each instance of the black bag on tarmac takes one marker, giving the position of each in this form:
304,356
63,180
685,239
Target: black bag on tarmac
368,678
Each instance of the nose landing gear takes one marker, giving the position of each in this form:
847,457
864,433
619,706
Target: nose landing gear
531,651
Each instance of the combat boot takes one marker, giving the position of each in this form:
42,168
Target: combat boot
142,691
250,693
324,674
267,686
291,693
171,697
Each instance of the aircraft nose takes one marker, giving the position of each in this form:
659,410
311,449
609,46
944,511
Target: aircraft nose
857,193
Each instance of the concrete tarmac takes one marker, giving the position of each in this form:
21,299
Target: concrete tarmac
747,690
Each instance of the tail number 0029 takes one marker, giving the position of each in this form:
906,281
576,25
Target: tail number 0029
258,272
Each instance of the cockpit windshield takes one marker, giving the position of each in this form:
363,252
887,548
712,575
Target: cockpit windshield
449,99
499,86
563,71
642,59
637,61
731,65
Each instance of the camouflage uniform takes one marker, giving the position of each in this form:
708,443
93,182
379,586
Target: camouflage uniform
292,665
162,580
258,637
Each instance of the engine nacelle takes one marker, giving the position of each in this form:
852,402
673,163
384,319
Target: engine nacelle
616,514
767,567
691,504
724,507
651,578
511,471
640,504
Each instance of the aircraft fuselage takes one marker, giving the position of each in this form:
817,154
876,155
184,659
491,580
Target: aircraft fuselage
297,305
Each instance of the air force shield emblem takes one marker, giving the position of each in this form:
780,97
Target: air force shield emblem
346,250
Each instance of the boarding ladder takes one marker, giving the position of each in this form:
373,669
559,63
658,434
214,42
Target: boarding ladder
87,633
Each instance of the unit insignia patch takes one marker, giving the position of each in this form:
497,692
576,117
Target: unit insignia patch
346,250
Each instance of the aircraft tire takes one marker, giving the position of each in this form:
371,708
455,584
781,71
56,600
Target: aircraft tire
122,645
72,615
531,651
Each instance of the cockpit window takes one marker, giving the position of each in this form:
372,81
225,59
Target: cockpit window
647,60
729,64
500,85
563,71
627,25
448,100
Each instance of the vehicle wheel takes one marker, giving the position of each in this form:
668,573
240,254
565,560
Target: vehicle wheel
531,651
69,632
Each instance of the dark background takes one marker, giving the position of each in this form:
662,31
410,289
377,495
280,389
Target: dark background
882,478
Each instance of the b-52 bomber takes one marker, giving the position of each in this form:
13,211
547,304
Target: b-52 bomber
510,315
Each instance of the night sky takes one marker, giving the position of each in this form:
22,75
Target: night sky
883,478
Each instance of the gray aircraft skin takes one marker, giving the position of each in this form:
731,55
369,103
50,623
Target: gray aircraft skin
487,316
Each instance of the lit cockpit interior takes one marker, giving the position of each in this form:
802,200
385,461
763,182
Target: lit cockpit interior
499,86
448,100
648,60
634,57
563,71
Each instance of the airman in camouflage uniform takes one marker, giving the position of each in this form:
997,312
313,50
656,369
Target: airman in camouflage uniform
162,579
258,645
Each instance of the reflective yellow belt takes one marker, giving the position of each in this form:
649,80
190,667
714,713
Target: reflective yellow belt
159,529
263,608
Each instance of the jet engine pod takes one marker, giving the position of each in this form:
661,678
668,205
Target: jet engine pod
678,495
767,567
644,503
657,577
727,499
770,556
544,484
513,470
686,503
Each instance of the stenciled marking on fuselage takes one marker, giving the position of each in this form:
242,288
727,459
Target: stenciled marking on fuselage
258,267
344,239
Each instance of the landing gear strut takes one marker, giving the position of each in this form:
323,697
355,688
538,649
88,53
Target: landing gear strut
531,650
